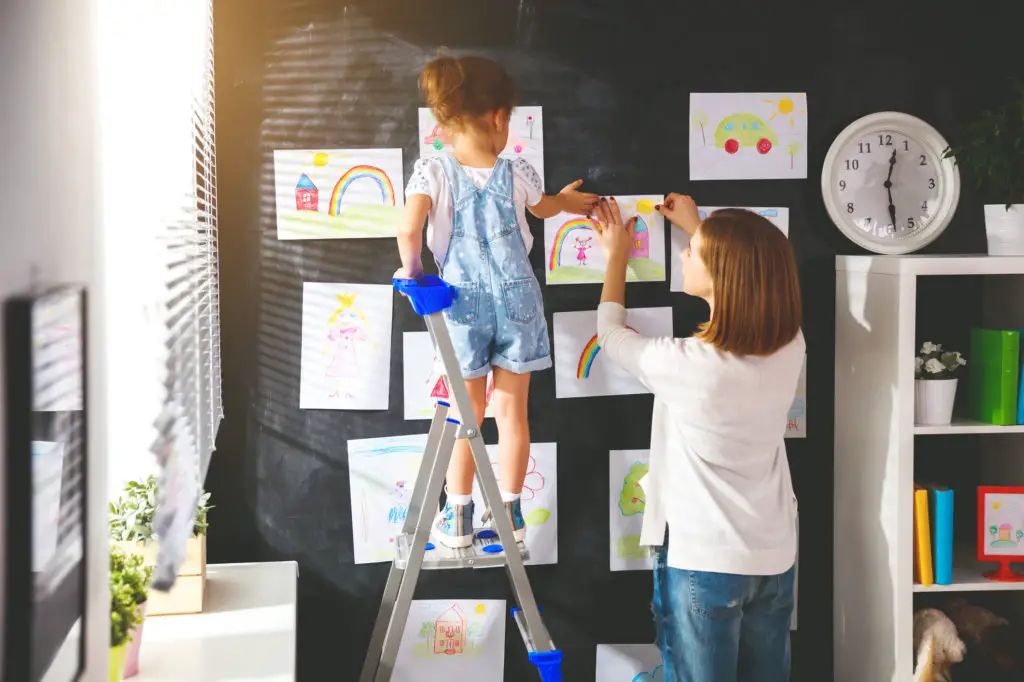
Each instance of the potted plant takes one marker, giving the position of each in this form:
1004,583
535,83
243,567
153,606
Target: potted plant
992,156
129,589
935,383
131,525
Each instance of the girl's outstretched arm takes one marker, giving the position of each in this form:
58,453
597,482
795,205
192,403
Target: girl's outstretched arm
410,236
569,200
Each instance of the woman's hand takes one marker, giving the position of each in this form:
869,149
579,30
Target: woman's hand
573,201
681,211
615,238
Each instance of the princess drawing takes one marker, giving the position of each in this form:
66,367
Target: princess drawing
583,245
347,333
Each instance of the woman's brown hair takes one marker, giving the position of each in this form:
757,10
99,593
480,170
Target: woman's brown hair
464,89
754,278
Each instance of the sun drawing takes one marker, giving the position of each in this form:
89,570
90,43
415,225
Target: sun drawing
785,106
481,609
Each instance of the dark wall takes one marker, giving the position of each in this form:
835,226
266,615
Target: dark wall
614,79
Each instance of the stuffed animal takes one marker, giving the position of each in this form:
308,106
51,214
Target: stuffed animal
948,650
972,621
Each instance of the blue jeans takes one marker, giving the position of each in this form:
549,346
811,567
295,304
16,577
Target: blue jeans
719,627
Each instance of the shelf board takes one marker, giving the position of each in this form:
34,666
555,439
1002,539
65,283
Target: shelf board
933,264
971,580
964,425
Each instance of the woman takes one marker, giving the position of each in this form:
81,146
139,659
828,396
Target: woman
718,479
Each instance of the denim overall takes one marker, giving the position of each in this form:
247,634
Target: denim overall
497,318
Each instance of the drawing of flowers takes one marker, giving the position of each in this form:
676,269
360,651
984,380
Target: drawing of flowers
793,149
700,119
534,481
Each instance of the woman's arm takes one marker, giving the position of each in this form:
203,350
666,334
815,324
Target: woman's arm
569,200
649,359
410,236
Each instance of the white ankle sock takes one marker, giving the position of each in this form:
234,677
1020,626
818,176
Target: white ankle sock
459,499
509,497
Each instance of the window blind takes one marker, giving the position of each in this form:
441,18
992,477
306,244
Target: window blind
187,427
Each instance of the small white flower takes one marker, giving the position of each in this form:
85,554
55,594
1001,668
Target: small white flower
929,347
934,366
960,360
918,363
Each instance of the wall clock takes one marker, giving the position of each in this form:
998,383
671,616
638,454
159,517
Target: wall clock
886,185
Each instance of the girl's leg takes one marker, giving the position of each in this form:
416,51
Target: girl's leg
461,468
510,405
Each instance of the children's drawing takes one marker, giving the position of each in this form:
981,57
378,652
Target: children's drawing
748,136
626,509
338,194
796,420
382,473
539,501
346,346
525,137
580,368
680,239
629,663
452,639
423,381
1004,523
573,255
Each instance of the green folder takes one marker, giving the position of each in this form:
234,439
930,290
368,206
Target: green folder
994,367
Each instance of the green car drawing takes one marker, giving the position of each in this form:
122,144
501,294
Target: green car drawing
744,130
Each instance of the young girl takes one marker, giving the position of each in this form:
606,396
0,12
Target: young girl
477,231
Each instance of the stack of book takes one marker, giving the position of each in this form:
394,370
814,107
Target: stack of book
995,376
933,535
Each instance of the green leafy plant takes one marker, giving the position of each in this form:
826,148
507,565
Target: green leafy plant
932,362
129,588
992,150
131,517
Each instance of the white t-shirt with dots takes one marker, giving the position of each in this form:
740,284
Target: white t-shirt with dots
428,178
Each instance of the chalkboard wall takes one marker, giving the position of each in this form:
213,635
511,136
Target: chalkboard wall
614,79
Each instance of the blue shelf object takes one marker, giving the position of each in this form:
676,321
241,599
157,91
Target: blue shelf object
428,295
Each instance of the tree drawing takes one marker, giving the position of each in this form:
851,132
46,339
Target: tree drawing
992,530
1020,535
427,631
700,119
793,149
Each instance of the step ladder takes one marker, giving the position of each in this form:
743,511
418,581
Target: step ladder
429,297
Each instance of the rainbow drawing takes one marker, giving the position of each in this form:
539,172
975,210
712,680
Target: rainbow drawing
588,355
354,173
563,232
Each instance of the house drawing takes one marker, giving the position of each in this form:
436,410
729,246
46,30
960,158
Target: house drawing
307,196
641,240
450,632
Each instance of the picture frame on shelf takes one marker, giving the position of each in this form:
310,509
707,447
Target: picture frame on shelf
46,486
1001,530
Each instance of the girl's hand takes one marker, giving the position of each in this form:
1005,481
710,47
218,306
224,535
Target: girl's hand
616,239
580,203
681,211
408,273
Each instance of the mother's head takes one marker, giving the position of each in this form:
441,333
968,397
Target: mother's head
743,266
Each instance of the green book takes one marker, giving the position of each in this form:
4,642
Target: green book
994,366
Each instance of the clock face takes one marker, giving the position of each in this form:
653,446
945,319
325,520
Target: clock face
886,185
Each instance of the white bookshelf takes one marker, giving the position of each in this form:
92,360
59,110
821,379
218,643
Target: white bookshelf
875,436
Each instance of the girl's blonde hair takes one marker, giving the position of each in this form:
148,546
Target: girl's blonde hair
459,91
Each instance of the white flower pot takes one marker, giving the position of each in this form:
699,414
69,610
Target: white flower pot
1004,229
933,401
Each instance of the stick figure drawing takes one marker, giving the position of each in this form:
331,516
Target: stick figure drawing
348,336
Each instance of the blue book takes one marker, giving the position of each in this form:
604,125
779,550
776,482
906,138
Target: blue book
942,512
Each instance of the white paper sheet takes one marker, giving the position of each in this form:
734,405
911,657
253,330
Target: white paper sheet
748,136
680,239
626,501
525,137
572,254
796,424
47,475
539,501
382,473
629,663
459,639
338,193
421,374
1004,524
346,346
581,369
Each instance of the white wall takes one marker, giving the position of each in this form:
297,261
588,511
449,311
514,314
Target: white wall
49,209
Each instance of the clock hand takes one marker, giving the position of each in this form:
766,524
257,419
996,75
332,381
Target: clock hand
888,188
